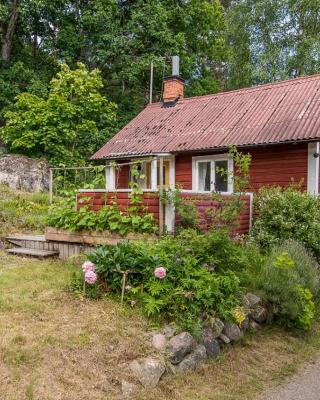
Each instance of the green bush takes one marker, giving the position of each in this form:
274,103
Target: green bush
289,279
287,214
108,218
198,284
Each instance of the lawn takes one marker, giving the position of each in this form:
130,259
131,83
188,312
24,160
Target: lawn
54,345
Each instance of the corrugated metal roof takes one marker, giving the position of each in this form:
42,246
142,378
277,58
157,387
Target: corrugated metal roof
273,113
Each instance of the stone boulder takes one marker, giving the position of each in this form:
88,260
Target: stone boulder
192,360
128,389
217,327
251,300
233,332
159,341
148,371
179,346
20,172
259,314
210,343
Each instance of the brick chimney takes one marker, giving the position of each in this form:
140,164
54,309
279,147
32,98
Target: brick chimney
173,86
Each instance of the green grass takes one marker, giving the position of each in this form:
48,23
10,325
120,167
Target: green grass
54,345
22,211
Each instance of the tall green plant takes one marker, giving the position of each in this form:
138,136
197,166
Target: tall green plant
67,126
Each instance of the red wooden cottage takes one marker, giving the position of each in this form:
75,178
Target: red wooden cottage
185,142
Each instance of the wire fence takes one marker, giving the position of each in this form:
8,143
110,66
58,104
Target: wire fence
64,182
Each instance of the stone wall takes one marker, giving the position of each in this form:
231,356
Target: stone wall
20,172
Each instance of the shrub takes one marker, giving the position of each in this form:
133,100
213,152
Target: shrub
289,279
108,218
287,214
186,278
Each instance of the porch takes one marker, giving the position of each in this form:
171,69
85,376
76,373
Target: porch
157,176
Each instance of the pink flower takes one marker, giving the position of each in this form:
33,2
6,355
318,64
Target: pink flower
90,277
87,266
160,272
133,303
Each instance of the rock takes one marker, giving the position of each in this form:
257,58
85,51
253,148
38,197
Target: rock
217,327
20,172
192,360
159,341
259,314
210,343
128,389
233,332
253,326
245,324
224,339
250,300
169,331
148,371
179,346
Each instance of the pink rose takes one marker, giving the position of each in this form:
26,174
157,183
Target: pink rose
90,277
87,266
160,272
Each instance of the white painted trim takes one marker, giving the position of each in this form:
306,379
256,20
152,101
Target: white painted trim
212,159
110,174
172,173
154,173
313,168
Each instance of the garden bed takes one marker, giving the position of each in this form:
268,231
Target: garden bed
93,238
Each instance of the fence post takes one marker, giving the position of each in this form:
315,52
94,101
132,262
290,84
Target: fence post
160,196
50,186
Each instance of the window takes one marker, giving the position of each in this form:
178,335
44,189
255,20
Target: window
145,170
212,174
166,172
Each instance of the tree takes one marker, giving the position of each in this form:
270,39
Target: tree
273,40
8,20
67,126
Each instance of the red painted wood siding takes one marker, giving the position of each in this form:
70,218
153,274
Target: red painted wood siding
272,165
204,204
97,200
279,165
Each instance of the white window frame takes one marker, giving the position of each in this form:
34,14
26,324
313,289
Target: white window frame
212,159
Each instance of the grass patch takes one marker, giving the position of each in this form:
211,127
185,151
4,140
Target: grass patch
22,211
56,346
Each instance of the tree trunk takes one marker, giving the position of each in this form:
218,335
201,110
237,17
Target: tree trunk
6,42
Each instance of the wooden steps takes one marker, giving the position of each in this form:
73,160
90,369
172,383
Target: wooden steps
38,246
22,251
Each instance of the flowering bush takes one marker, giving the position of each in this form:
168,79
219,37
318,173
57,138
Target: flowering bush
160,272
90,277
87,266
185,278
84,283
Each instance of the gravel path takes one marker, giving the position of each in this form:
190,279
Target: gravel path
305,385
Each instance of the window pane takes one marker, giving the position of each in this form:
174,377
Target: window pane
204,178
221,178
166,171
